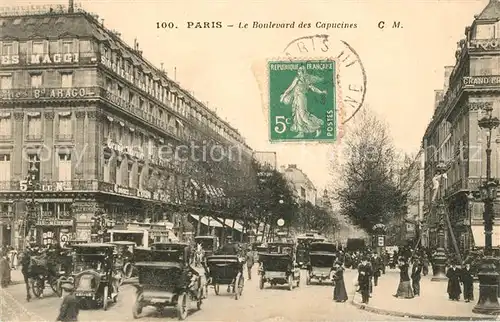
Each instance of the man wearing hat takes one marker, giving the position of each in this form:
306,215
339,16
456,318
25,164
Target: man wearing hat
416,271
70,305
364,276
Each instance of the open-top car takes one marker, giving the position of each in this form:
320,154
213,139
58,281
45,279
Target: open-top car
124,259
92,274
166,279
226,269
322,256
278,266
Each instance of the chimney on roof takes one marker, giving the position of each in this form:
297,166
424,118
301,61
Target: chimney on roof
71,6
292,166
282,168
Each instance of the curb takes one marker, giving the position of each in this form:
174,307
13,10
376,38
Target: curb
422,316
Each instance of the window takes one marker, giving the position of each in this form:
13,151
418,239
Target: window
34,126
302,192
118,172
7,49
67,47
38,48
130,176
119,91
109,84
5,126
485,31
4,167
65,126
34,163
36,80
6,82
64,167
139,182
66,80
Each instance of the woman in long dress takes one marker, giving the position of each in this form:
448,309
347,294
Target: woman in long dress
339,291
404,288
302,120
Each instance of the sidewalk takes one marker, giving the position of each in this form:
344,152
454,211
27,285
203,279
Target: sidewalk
432,304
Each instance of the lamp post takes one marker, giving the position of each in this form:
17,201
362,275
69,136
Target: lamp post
32,206
488,275
439,270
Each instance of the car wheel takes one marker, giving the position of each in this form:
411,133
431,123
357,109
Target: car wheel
137,309
182,306
290,282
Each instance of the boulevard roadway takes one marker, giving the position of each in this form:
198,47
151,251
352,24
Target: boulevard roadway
306,303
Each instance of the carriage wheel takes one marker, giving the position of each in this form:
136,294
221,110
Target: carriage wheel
200,298
105,298
128,270
261,282
55,285
182,306
290,282
37,285
137,308
216,289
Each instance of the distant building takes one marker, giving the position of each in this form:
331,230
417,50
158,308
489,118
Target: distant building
303,188
324,201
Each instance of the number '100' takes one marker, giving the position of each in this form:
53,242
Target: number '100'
165,25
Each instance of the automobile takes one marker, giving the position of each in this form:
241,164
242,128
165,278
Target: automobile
124,259
92,274
166,280
303,242
226,270
278,266
322,256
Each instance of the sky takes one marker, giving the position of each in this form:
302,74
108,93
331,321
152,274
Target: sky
403,66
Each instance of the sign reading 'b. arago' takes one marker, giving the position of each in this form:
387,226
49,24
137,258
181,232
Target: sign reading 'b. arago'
302,100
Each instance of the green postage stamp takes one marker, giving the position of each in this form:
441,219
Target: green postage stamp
302,100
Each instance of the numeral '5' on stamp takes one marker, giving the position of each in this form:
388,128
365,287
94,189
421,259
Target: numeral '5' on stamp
302,96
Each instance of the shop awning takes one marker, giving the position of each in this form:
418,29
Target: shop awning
207,221
229,223
478,234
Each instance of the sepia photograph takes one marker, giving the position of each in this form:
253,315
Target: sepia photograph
252,161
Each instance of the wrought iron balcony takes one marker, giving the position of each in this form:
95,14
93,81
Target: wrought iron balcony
64,137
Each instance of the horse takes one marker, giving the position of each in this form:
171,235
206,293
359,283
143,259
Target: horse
36,269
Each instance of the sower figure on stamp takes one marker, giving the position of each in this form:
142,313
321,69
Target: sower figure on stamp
416,270
364,277
296,94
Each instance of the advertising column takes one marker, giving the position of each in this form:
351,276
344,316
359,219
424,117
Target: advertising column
83,211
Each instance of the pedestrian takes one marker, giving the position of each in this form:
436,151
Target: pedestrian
4,271
364,276
467,278
377,267
453,273
339,291
416,270
425,265
70,305
404,288
250,261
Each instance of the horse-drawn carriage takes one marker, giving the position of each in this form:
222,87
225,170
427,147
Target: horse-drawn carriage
226,269
208,245
165,279
43,268
322,256
93,274
278,266
124,258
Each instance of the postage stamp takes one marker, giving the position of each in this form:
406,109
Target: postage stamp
302,100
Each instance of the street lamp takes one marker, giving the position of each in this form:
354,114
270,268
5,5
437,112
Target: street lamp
439,270
488,275
32,206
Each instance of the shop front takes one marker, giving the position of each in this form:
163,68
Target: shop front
54,231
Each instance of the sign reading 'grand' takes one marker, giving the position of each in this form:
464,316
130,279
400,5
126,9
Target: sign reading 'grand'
45,59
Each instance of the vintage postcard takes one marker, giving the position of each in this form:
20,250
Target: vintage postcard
249,160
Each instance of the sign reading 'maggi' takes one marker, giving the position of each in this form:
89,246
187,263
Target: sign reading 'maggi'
37,59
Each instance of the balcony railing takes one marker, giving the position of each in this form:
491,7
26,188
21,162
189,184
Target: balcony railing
5,137
64,137
33,137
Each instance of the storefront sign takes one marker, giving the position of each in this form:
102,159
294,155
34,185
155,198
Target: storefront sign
46,93
47,59
481,80
118,70
144,194
483,44
122,190
54,222
381,241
